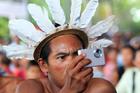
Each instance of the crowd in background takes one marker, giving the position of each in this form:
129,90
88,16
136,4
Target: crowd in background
122,66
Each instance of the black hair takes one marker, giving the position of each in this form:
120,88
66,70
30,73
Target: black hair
5,61
130,48
45,52
138,49
32,63
3,53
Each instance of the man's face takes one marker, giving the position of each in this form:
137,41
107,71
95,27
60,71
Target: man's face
127,56
63,51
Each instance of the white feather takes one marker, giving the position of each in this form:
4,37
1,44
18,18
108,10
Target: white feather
41,17
101,27
102,43
75,12
56,11
88,13
18,51
26,31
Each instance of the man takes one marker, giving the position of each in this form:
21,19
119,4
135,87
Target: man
55,48
66,70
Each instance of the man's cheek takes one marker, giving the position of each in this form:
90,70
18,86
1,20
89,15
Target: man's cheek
59,68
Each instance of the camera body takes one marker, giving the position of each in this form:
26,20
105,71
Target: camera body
96,55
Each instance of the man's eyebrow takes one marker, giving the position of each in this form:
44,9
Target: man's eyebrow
68,53
62,53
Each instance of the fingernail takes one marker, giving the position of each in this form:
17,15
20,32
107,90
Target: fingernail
83,54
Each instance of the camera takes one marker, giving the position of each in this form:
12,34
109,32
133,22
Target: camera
96,55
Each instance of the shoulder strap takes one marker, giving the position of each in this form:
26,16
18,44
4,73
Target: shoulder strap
133,80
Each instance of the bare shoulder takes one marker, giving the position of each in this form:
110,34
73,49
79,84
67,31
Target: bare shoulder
10,80
9,84
98,85
30,86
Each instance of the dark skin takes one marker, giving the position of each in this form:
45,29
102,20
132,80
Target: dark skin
66,71
8,84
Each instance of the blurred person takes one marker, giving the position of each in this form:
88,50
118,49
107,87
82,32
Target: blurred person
9,84
117,38
23,62
128,53
111,69
14,39
5,65
33,71
129,82
17,69
135,42
127,37
2,53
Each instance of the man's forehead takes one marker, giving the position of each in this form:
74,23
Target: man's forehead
68,50
65,39
66,36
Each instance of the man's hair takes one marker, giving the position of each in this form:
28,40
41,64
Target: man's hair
47,49
130,48
32,63
45,52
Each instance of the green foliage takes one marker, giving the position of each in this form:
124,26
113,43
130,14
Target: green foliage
4,27
120,8
123,8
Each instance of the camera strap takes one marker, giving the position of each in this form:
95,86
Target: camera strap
133,82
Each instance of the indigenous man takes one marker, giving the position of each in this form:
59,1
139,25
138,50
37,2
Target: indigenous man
66,70
55,48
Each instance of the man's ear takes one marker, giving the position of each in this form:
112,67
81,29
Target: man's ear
43,65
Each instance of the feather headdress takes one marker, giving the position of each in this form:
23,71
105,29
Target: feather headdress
35,40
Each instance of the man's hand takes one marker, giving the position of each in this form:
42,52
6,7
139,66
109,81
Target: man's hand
77,75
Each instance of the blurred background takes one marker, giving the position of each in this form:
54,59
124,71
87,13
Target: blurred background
123,55
127,12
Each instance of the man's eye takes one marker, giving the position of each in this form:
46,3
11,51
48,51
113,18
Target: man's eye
75,53
60,57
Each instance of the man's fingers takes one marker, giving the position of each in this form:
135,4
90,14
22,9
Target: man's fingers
87,78
84,73
81,65
76,61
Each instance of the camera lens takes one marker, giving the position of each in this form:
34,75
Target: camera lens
98,53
